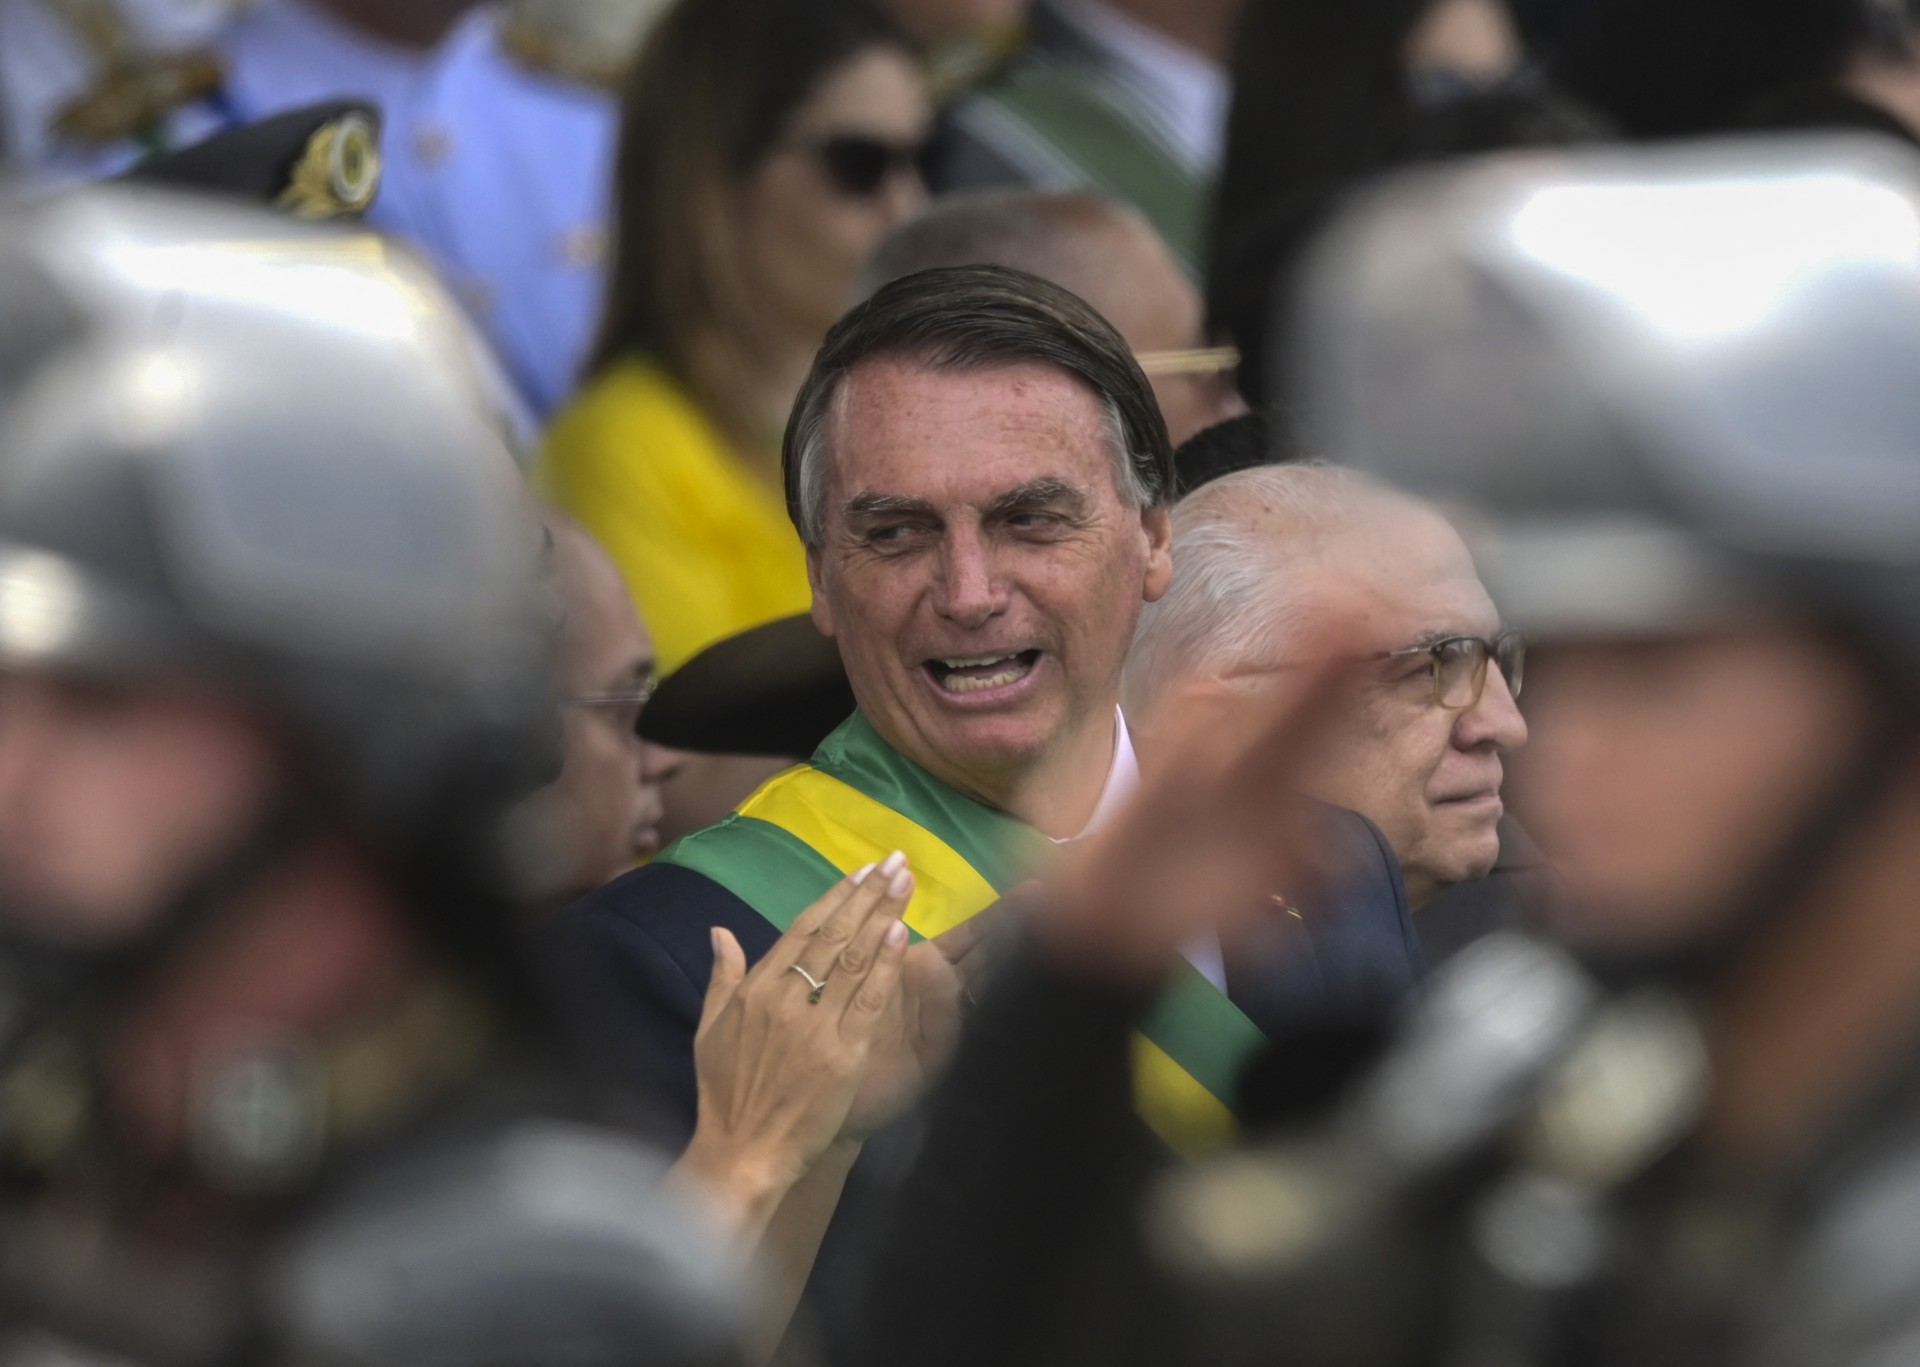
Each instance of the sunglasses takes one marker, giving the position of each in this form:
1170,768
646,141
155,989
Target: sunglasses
860,166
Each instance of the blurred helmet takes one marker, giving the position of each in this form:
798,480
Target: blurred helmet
1679,383
251,452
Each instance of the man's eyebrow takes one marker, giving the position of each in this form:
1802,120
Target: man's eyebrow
1426,639
1436,635
869,504
1037,493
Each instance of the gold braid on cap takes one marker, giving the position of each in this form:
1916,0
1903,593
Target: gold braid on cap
338,173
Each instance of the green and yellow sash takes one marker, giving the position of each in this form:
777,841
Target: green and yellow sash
859,800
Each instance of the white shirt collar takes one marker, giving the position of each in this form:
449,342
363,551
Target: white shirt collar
1185,93
1123,781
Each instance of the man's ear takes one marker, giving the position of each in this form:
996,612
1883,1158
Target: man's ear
1157,523
821,610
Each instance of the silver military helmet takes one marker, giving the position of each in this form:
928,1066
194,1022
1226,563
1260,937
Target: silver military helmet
1676,383
251,451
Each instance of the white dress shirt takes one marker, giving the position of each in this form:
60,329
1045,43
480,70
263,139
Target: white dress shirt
1123,781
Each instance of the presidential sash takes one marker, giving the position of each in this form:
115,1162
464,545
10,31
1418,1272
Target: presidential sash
857,801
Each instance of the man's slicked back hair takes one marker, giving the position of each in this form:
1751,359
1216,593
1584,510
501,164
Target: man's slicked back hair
973,318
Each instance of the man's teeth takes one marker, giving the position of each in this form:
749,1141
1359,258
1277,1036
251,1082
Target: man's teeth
976,662
1011,668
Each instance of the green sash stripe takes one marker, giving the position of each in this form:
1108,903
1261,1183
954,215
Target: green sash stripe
776,873
1001,849
779,875
1202,1031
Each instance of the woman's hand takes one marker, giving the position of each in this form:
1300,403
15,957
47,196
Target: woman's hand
779,1063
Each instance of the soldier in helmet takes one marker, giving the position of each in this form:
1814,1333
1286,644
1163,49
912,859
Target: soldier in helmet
280,1084
1676,390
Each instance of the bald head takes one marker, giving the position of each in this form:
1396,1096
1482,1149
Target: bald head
1102,251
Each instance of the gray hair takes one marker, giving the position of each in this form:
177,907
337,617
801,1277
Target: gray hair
1233,541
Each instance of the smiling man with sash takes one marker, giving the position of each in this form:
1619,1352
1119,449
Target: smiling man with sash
981,476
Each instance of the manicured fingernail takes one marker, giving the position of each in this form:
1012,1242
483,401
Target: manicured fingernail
897,934
713,938
901,885
894,862
860,874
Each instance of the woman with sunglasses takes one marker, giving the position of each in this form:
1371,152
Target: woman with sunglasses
766,147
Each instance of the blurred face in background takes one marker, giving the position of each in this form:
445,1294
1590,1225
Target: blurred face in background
1473,41
1665,776
604,811
1137,286
115,800
838,179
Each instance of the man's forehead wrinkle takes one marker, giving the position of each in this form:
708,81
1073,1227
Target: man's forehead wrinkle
1019,378
1042,489
1034,492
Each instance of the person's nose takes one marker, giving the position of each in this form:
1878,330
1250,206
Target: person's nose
1494,721
968,592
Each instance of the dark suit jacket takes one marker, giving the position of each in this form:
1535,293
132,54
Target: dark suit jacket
1516,895
636,956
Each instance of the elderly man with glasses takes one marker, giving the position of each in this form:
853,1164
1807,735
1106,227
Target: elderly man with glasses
1263,555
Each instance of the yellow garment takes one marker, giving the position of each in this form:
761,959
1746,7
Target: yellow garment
704,542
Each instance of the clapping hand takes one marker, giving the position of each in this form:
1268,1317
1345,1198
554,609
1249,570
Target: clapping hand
782,1049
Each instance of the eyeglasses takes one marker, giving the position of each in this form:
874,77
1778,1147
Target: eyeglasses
1210,360
1459,666
636,698
860,165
